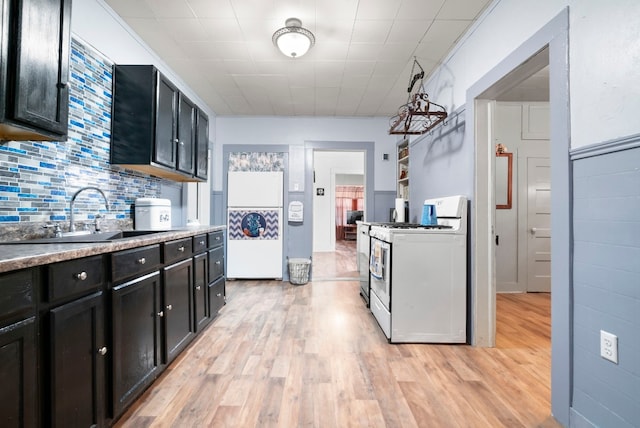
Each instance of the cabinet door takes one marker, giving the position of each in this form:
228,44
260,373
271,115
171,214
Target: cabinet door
166,121
202,146
216,296
186,135
136,338
42,64
200,290
77,358
216,263
18,406
177,307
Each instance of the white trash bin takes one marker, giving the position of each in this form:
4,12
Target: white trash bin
299,271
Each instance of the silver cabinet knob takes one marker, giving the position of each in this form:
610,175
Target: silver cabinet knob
201,242
102,351
181,249
218,262
533,230
81,276
219,295
198,287
161,314
169,307
142,261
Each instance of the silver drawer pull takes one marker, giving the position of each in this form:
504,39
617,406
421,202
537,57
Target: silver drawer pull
81,276
142,261
169,307
102,351
219,295
218,262
161,314
217,238
181,249
198,287
201,242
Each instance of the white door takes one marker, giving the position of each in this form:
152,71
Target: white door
539,225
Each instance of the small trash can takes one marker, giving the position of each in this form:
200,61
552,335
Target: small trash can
299,271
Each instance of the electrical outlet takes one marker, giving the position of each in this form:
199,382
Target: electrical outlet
609,346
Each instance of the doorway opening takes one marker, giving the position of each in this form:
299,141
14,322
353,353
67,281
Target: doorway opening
339,189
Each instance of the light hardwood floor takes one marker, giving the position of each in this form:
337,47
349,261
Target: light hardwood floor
338,264
281,355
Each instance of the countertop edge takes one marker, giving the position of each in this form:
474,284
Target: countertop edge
20,256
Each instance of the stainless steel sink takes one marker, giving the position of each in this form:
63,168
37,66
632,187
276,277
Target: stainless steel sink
88,238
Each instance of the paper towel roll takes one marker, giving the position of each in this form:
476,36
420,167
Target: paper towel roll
400,210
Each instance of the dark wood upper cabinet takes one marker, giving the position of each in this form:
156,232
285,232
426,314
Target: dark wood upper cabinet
186,135
34,69
202,145
166,123
153,124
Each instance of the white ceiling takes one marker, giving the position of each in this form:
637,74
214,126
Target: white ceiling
360,65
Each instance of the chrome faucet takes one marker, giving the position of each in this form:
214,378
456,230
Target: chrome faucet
72,226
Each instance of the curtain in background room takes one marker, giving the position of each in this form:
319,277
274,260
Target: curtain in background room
347,198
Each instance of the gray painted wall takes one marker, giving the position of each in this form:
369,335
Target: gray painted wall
440,165
606,286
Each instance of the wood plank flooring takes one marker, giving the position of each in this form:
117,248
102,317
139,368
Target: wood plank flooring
281,355
338,264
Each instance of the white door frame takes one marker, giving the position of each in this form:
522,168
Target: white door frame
555,36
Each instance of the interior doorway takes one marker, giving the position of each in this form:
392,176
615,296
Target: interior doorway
338,192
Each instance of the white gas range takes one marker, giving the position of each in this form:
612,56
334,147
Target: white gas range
418,276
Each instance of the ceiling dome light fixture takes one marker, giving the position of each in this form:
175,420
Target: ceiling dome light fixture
293,40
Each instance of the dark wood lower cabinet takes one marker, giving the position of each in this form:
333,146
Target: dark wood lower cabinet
77,363
18,385
136,338
200,310
176,311
216,296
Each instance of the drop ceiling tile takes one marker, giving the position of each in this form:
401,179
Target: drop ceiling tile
419,9
371,31
222,30
378,9
131,9
364,68
364,51
330,51
440,39
184,29
335,30
209,8
170,8
329,10
396,52
406,31
461,9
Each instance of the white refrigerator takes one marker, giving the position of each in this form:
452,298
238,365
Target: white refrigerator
254,225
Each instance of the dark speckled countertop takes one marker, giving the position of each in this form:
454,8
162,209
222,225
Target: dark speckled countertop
24,255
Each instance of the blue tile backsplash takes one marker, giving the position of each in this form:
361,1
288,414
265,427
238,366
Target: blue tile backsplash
37,179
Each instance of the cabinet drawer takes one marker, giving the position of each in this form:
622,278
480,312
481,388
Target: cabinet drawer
16,293
216,263
125,264
199,243
216,239
177,250
75,277
216,296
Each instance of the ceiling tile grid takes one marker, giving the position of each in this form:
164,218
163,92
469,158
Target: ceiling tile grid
360,65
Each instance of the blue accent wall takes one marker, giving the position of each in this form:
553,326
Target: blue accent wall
606,286
38,178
